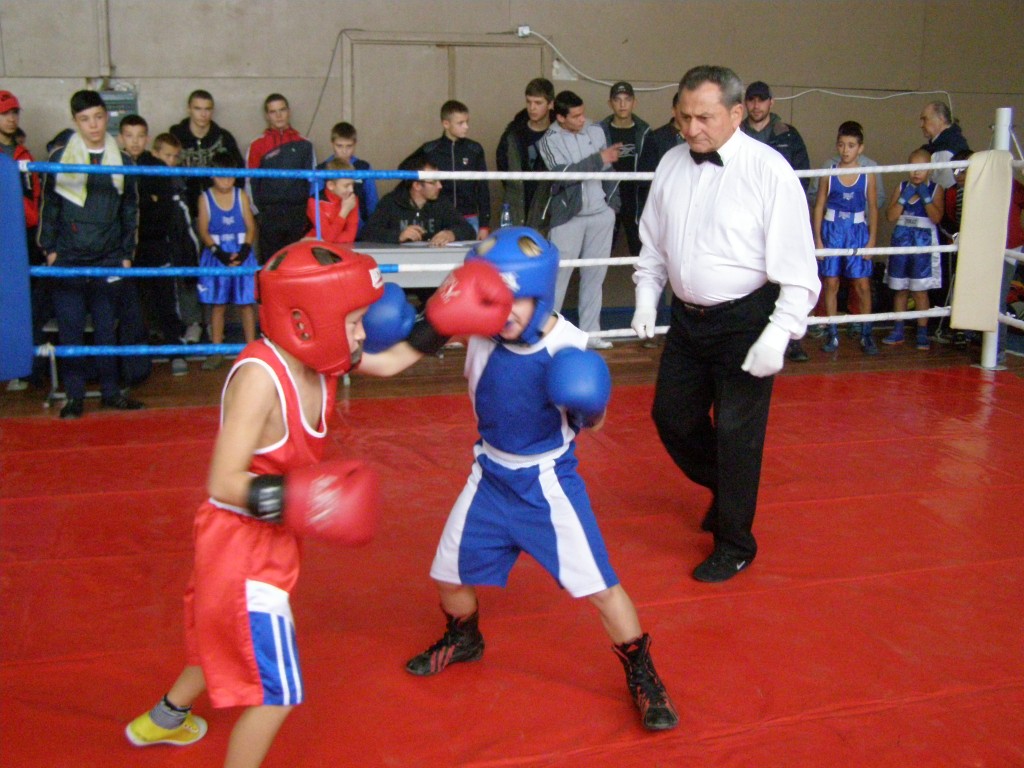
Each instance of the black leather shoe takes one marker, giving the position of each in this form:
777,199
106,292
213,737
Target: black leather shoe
122,403
721,566
72,409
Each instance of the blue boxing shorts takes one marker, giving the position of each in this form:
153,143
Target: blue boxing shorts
914,271
845,230
540,508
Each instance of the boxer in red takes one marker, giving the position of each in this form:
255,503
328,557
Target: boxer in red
269,488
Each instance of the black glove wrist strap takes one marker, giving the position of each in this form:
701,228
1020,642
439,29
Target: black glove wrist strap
424,338
266,497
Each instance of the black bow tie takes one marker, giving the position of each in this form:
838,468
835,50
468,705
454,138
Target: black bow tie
706,157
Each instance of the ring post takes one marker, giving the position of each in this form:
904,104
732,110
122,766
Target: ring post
16,352
990,339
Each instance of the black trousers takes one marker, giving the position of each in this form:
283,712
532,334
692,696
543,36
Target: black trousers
710,415
159,296
626,220
278,226
73,298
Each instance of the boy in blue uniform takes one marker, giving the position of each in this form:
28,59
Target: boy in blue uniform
534,386
916,208
846,216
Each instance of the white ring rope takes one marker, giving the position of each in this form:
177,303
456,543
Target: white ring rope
632,260
648,176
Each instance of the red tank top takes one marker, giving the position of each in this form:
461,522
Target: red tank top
303,444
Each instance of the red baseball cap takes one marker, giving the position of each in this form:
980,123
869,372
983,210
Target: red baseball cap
8,101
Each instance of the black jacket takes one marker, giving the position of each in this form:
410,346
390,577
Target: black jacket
396,211
470,198
784,139
527,200
100,233
199,152
659,141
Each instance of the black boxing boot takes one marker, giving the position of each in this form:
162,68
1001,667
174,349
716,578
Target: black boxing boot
462,641
649,695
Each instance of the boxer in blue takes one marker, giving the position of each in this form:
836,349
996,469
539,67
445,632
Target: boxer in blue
534,386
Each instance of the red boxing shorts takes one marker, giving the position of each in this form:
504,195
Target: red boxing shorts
238,620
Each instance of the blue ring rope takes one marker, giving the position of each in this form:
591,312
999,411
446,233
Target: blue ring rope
40,271
155,350
256,173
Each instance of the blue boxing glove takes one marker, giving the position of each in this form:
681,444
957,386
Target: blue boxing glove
389,320
909,190
924,193
579,381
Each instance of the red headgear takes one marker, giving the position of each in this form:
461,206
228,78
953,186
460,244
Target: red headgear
8,101
305,292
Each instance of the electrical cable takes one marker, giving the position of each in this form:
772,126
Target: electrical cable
327,78
561,56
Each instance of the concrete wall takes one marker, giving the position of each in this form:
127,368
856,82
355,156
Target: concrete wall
241,50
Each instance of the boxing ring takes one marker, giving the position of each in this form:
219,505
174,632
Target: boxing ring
880,626
974,307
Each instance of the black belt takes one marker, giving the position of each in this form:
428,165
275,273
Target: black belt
705,310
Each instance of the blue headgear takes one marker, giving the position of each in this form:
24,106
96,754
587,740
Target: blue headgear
529,266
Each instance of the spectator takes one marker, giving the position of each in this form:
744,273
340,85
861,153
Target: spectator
10,117
89,220
846,298
343,143
454,152
279,204
660,141
767,127
133,130
226,230
162,212
845,216
864,162
625,128
202,139
582,212
414,211
339,208
943,139
916,208
517,151
744,279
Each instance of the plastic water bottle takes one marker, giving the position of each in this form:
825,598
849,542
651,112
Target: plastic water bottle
506,216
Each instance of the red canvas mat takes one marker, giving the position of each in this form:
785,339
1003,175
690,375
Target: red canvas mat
881,625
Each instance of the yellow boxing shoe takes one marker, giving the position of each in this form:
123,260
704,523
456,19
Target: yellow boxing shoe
143,732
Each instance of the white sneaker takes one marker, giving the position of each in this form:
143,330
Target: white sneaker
179,367
17,385
194,333
596,342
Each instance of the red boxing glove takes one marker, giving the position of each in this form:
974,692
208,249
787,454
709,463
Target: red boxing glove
472,301
336,501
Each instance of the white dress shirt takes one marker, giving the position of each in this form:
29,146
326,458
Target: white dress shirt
719,233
